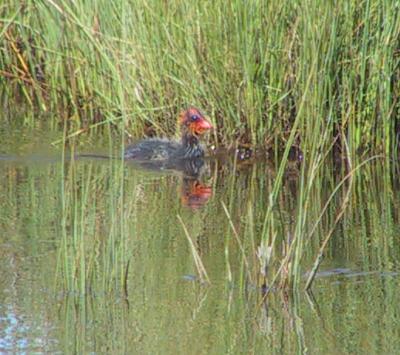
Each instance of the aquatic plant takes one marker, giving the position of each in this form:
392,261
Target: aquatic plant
132,66
320,76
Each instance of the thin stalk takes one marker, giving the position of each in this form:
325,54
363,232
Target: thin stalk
197,259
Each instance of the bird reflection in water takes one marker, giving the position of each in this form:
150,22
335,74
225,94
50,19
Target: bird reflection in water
194,192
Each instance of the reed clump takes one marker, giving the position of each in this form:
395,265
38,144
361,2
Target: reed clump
319,75
129,66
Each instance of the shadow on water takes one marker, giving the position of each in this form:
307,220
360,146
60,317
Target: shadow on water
95,260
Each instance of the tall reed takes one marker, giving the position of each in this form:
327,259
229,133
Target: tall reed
99,63
319,75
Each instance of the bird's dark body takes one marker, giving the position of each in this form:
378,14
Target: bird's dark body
157,149
193,125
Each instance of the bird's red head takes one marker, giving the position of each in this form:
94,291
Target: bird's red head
194,121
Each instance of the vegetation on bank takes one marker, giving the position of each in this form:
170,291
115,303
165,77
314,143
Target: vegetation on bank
259,68
321,75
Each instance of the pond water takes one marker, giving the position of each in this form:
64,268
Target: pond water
94,258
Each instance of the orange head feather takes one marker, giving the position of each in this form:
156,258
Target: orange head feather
194,121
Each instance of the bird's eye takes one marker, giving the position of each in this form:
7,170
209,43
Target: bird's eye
194,118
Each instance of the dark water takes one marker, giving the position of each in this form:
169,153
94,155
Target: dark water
95,260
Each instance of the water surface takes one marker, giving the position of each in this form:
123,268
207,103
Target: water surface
94,259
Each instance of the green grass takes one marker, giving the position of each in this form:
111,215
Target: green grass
252,67
316,74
